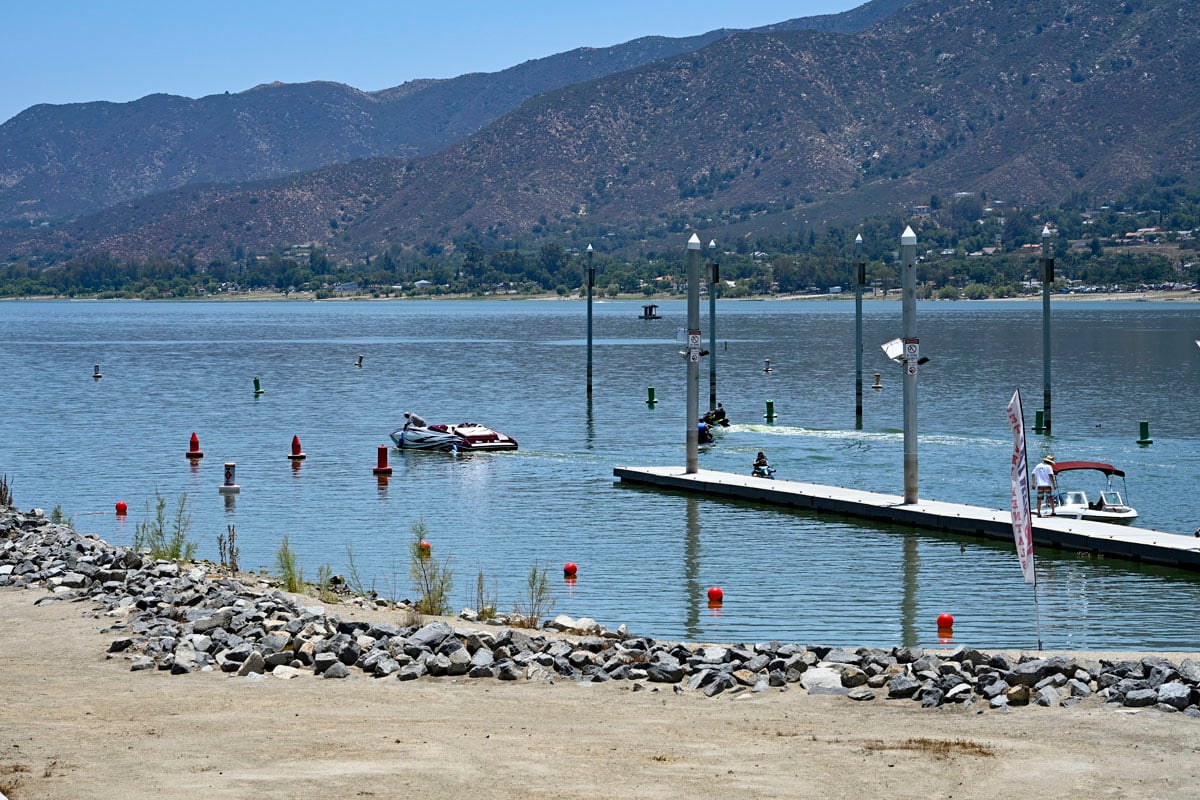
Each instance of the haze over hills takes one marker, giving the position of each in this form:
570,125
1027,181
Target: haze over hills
61,161
1029,101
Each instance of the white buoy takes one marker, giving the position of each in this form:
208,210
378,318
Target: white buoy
230,486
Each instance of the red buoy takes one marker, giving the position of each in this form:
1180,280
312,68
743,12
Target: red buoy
945,621
381,467
424,549
122,509
194,450
298,455
715,595
569,569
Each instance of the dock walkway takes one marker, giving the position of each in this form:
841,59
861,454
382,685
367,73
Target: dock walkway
1121,541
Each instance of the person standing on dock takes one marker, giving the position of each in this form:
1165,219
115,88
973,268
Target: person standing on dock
1043,478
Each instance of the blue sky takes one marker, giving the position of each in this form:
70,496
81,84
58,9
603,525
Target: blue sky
69,51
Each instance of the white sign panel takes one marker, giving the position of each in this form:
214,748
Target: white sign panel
912,368
694,355
912,349
693,340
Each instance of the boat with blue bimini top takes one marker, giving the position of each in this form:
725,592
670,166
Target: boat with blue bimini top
1108,504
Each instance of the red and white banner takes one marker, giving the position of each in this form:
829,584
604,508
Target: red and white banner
1021,521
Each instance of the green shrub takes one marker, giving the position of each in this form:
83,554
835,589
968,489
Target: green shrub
154,537
290,575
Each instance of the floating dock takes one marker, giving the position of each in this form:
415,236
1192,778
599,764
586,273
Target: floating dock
1120,541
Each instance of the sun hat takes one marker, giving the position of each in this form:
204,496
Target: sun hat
1049,459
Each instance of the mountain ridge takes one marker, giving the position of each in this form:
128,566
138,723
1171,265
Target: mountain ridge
62,161
758,131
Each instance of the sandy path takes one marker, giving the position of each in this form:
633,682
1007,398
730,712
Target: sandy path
76,724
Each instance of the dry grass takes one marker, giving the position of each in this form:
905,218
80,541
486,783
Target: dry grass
938,748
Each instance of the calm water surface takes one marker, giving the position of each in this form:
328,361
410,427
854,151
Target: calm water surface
646,558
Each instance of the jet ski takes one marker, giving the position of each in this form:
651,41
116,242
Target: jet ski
465,436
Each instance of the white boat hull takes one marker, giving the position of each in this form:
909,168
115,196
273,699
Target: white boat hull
464,437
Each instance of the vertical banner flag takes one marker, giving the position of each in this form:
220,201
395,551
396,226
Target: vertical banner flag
1021,522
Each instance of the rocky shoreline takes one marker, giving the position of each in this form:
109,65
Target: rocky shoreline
188,618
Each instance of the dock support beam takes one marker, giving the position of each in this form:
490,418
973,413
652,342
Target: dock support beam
908,257
714,277
1047,287
860,275
693,365
591,281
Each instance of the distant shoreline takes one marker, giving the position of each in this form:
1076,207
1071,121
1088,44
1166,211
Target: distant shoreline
310,297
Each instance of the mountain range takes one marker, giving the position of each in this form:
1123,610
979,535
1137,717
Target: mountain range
790,126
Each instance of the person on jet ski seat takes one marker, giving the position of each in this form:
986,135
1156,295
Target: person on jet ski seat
760,463
412,420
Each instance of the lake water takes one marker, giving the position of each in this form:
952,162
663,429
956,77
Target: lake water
645,558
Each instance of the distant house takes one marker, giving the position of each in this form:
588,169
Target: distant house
423,284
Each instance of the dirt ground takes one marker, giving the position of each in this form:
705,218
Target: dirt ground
75,723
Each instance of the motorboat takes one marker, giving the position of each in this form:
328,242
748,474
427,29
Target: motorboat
1108,505
463,437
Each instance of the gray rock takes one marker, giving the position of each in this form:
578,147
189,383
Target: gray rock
460,662
821,678
140,663
1028,673
840,656
336,670
1048,697
253,663
120,645
430,636
665,672
1175,694
861,693
410,672
508,670
1139,698
720,682
1018,695
220,619
902,686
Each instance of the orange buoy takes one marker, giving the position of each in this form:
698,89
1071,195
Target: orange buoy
424,549
381,466
715,595
122,508
194,450
569,569
297,454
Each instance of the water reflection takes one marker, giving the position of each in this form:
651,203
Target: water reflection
911,587
691,568
589,436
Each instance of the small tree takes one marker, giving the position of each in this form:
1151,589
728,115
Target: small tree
538,600
432,577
